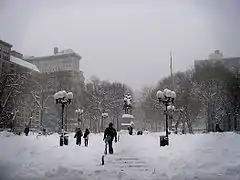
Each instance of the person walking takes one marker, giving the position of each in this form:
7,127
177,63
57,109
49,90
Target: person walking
26,130
78,137
130,130
86,136
109,134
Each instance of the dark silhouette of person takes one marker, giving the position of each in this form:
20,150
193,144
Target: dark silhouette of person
26,130
218,129
109,134
86,136
78,136
130,130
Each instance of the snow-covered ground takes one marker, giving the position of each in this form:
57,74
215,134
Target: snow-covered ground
202,156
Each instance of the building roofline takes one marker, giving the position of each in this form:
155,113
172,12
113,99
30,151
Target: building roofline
24,64
5,43
222,59
53,56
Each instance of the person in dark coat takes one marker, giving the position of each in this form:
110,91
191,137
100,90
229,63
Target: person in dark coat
78,137
130,130
26,130
86,136
218,129
109,134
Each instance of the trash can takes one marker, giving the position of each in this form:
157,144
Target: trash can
164,141
66,140
61,140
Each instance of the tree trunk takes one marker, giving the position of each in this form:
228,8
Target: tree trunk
229,122
183,127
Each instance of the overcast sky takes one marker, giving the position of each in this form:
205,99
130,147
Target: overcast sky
127,41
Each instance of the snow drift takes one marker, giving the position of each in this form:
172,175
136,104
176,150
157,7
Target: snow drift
200,156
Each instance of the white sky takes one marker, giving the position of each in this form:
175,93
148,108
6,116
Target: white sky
127,41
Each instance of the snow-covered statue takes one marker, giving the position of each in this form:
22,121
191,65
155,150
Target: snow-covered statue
127,105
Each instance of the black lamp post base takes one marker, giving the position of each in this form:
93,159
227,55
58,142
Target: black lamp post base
61,140
164,141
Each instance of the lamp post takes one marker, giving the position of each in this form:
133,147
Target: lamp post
104,115
167,98
79,113
63,98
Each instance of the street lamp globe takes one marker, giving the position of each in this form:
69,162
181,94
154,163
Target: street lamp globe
104,115
70,95
173,94
169,107
160,94
169,93
56,96
64,94
165,92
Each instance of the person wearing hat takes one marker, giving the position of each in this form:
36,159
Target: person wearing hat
109,134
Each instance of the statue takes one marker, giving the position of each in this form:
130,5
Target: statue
127,106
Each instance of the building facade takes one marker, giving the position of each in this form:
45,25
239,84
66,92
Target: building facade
5,49
231,63
60,71
66,60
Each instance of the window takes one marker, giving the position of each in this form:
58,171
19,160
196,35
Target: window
5,57
5,52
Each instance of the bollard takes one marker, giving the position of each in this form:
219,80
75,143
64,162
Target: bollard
164,141
102,159
66,140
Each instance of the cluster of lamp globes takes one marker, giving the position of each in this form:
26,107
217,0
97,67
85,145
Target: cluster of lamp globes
104,115
63,97
80,111
167,96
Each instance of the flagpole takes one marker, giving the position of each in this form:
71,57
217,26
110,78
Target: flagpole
171,72
172,84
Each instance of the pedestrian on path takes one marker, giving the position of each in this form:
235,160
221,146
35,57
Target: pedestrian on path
78,137
130,130
86,136
109,134
26,130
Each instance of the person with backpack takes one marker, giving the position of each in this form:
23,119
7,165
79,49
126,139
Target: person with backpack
110,134
86,136
78,136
